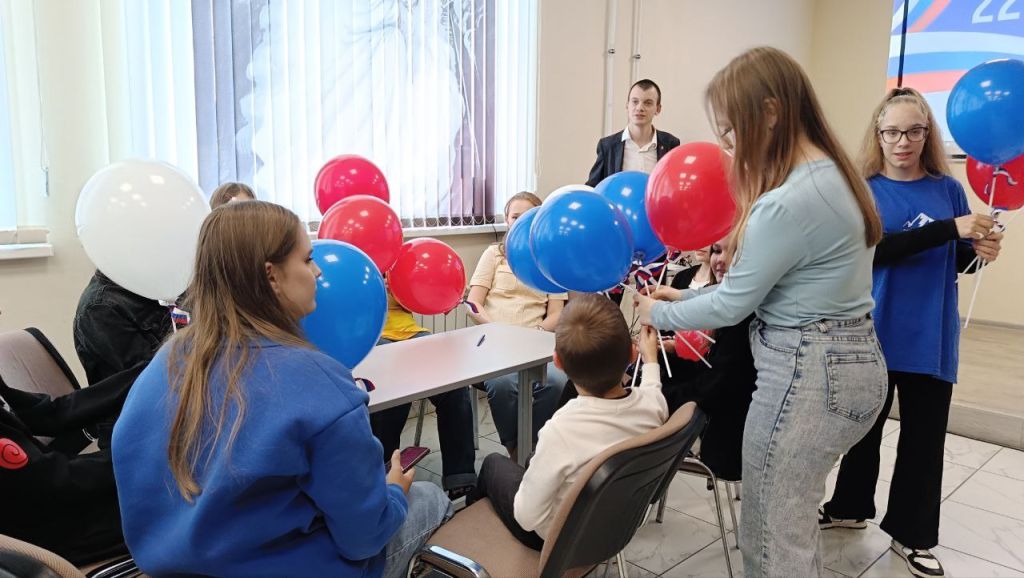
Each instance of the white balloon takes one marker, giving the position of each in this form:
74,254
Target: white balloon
566,189
139,222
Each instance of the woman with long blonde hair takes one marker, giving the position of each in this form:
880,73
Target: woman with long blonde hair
930,236
805,232
243,451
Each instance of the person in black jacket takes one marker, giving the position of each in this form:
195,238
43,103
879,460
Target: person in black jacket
639,147
58,498
115,329
724,390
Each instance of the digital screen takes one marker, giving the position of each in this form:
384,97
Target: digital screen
945,39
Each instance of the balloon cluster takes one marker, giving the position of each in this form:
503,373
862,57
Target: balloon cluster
591,240
360,242
985,112
162,210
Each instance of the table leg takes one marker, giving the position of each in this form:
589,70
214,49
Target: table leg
527,377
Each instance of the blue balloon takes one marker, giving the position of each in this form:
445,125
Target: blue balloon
626,190
520,258
581,242
351,303
986,111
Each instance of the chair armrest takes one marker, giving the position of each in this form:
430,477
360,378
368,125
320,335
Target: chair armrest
451,563
125,568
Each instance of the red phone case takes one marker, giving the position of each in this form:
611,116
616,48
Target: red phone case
411,456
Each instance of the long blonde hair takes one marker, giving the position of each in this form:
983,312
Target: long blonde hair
933,156
233,304
764,157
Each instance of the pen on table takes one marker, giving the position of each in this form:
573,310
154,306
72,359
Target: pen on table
482,337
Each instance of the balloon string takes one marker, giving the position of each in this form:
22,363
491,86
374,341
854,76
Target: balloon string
1000,227
981,269
1010,220
664,267
695,352
661,343
705,336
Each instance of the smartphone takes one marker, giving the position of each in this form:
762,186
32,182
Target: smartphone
409,457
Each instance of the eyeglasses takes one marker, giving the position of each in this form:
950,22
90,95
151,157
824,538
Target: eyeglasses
893,136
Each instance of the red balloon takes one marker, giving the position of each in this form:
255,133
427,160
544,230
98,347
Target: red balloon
428,278
368,223
688,200
347,175
1009,184
696,340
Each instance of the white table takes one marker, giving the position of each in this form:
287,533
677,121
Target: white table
406,371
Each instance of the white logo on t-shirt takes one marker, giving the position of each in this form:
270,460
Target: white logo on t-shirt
919,221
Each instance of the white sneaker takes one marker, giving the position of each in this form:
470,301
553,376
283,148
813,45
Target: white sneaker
920,562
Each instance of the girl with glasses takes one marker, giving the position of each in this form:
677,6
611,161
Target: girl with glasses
930,236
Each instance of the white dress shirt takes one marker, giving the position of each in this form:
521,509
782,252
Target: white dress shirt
639,158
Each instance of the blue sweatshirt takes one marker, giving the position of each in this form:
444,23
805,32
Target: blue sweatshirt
803,258
916,313
301,492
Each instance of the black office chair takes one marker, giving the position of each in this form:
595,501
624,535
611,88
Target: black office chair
594,523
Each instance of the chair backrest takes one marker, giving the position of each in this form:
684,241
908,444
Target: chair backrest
608,501
29,362
18,552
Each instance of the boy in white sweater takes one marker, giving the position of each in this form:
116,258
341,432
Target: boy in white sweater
593,347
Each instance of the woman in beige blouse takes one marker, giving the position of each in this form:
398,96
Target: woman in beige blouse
499,297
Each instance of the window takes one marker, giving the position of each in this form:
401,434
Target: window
8,190
23,185
439,93
934,42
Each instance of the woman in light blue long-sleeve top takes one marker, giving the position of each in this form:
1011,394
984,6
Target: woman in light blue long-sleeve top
806,228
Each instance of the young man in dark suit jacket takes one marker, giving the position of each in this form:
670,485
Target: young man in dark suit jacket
638,147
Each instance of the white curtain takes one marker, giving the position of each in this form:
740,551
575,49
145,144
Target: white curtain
441,94
23,183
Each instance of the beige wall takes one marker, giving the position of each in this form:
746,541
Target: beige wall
841,43
44,292
683,42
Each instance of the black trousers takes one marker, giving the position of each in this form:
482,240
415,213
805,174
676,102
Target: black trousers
912,517
499,480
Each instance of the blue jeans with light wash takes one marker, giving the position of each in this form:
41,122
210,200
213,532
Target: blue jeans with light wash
503,397
819,390
429,507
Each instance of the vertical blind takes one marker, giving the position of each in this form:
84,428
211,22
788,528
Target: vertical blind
441,94
23,174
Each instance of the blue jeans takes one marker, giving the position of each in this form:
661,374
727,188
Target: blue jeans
819,390
454,432
503,397
429,507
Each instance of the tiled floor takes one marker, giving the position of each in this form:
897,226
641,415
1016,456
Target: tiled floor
981,534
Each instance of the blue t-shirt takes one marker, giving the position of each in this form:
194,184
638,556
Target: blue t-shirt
301,492
916,314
